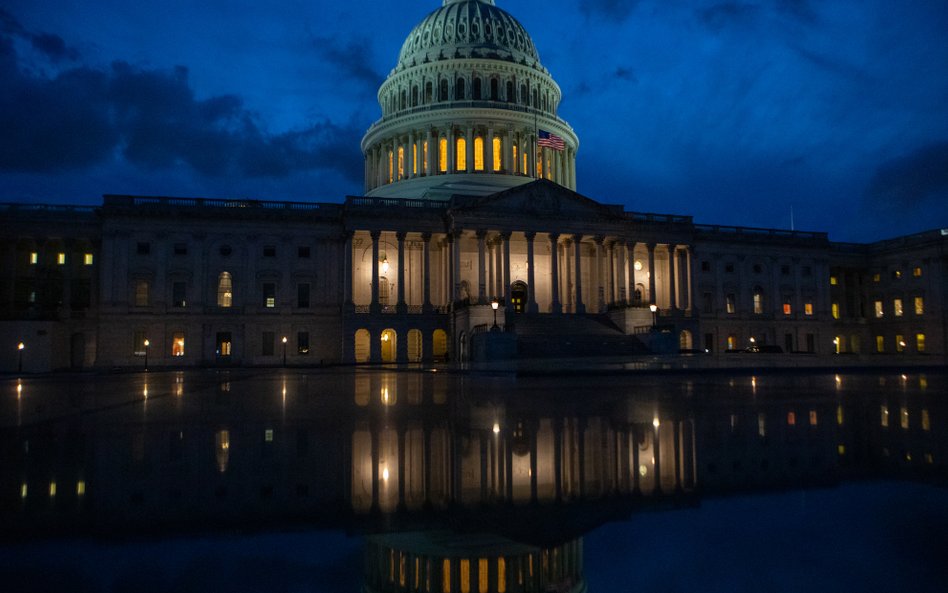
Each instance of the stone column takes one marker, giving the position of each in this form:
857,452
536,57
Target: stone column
672,273
481,268
652,297
469,150
622,264
508,152
555,306
456,264
374,307
489,151
505,268
401,307
531,277
630,248
580,307
432,151
426,281
347,271
600,277
690,287
413,153
452,148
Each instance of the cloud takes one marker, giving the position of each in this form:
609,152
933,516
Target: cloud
914,181
720,15
51,46
608,9
352,58
799,9
627,74
151,118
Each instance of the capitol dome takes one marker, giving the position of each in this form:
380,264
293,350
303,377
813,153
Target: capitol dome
463,109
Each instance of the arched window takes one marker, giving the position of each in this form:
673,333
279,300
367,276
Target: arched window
443,90
391,167
388,346
225,290
414,96
362,338
536,100
439,345
494,89
428,92
443,155
497,148
758,300
523,94
459,90
401,162
476,89
403,100
510,92
461,154
479,153
424,158
414,345
516,163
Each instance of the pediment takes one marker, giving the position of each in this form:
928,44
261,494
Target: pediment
539,199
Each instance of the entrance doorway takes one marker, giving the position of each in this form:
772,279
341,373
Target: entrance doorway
389,345
518,296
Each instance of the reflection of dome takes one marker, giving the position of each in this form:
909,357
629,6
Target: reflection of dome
468,28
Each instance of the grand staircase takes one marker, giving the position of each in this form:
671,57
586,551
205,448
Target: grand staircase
567,336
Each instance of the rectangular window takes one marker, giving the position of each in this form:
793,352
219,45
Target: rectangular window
833,281
880,343
708,304
179,297
877,277
878,309
224,344
269,295
834,308
87,259
446,575
731,342
897,306
808,308
926,420
920,342
465,575
917,271
709,342
788,342
303,251
899,343
141,293
787,309
884,416
138,343
177,344
266,343
143,248
813,418
810,343
791,419
761,425
758,303
705,266
34,258
897,274
61,258
302,295
919,305
269,251
904,418
729,302
302,342
180,248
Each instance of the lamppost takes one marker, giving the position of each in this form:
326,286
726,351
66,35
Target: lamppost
654,309
284,351
753,346
147,344
493,305
20,347
836,344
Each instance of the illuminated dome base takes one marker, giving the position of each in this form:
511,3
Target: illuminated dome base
442,187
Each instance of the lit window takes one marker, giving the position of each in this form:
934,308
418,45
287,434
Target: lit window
268,435
897,305
761,425
225,290
841,449
919,305
24,490
443,155
87,259
813,418
34,258
884,413
808,308
424,153
791,419
917,271
523,164
729,303
731,342
787,309
920,342
483,580
446,575
460,148
540,163
833,281
876,277
834,308
501,575
61,258
269,295
80,488
52,489
839,415
479,153
465,575
904,417
414,159
177,344
899,343
391,167
880,344
498,153
758,300
897,274
878,309
401,162
926,420
141,293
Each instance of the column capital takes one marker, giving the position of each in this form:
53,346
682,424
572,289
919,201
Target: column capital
481,234
375,235
651,245
577,237
554,237
400,235
599,240
530,235
456,233
505,235
426,236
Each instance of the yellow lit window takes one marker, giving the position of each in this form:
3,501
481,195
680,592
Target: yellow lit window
899,343
880,344
80,488
791,419
501,575
225,290
897,274
424,158
813,418
926,420
24,490
401,162
87,259
917,271
839,415
461,154
391,166
834,308
177,344
540,163
841,449
52,489
761,425
417,584
904,417
897,305
483,580
808,308
876,277
731,342
479,153
919,305
929,459
446,576
141,293
787,309
523,166
833,281
414,159
758,302
443,155
61,258
34,258
920,342
498,153
878,309
884,415
516,163
465,575
268,435
402,569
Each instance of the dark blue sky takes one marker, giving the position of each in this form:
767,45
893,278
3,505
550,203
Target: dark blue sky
728,111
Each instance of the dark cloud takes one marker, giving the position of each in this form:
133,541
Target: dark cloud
52,46
914,181
799,9
352,58
608,9
720,15
627,74
151,118
833,66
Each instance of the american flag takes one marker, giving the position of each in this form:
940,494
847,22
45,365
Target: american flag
550,140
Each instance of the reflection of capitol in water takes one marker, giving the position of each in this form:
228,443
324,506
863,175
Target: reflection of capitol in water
459,482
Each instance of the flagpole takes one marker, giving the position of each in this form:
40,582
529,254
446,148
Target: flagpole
536,132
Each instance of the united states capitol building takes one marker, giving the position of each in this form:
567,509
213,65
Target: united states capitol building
469,242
